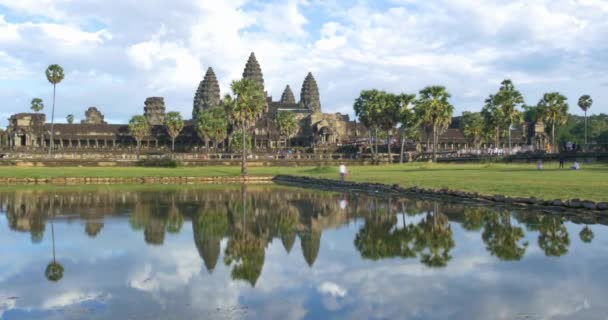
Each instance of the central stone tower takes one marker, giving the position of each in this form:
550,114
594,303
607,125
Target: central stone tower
207,95
253,71
309,95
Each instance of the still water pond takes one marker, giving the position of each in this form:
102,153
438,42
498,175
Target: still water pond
268,252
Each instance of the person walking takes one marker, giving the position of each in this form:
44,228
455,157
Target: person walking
561,162
342,171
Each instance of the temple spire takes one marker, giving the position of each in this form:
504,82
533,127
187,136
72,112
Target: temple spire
309,95
207,94
253,70
287,96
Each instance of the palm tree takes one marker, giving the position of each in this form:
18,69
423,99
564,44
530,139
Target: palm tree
553,236
54,73
471,125
54,270
586,235
70,118
287,124
139,128
37,105
407,119
368,109
554,107
502,239
492,116
174,125
509,99
434,110
585,102
212,124
249,103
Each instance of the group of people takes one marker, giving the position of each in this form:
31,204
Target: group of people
571,147
575,166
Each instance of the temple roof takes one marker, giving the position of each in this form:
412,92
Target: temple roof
253,70
287,96
207,94
309,95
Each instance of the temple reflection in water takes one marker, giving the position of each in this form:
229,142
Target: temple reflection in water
249,218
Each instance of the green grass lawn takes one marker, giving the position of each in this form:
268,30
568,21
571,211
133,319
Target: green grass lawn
509,179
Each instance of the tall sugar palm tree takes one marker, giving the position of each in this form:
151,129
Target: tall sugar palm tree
509,100
287,124
54,73
471,125
37,105
406,118
174,125
54,270
554,107
247,107
435,110
212,124
492,117
139,128
585,102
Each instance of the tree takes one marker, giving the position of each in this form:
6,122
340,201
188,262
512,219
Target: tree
287,124
553,236
407,118
37,105
248,104
586,235
435,110
54,270
390,111
502,239
54,73
174,125
554,107
585,102
509,100
236,141
70,118
139,128
368,109
472,127
212,124
492,116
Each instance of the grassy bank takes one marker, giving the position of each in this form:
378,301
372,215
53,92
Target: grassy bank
509,179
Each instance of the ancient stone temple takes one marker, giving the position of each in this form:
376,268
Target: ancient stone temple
93,116
253,70
154,110
207,94
309,95
287,96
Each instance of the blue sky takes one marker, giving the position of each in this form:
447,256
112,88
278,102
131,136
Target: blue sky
117,55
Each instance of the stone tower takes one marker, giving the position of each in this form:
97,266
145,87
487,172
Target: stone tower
207,94
309,96
93,116
287,96
253,71
154,110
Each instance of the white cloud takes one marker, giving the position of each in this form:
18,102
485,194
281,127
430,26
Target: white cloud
332,289
69,298
399,45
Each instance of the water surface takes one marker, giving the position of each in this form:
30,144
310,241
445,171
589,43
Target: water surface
269,252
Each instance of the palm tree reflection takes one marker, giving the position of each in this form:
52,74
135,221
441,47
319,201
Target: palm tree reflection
54,270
